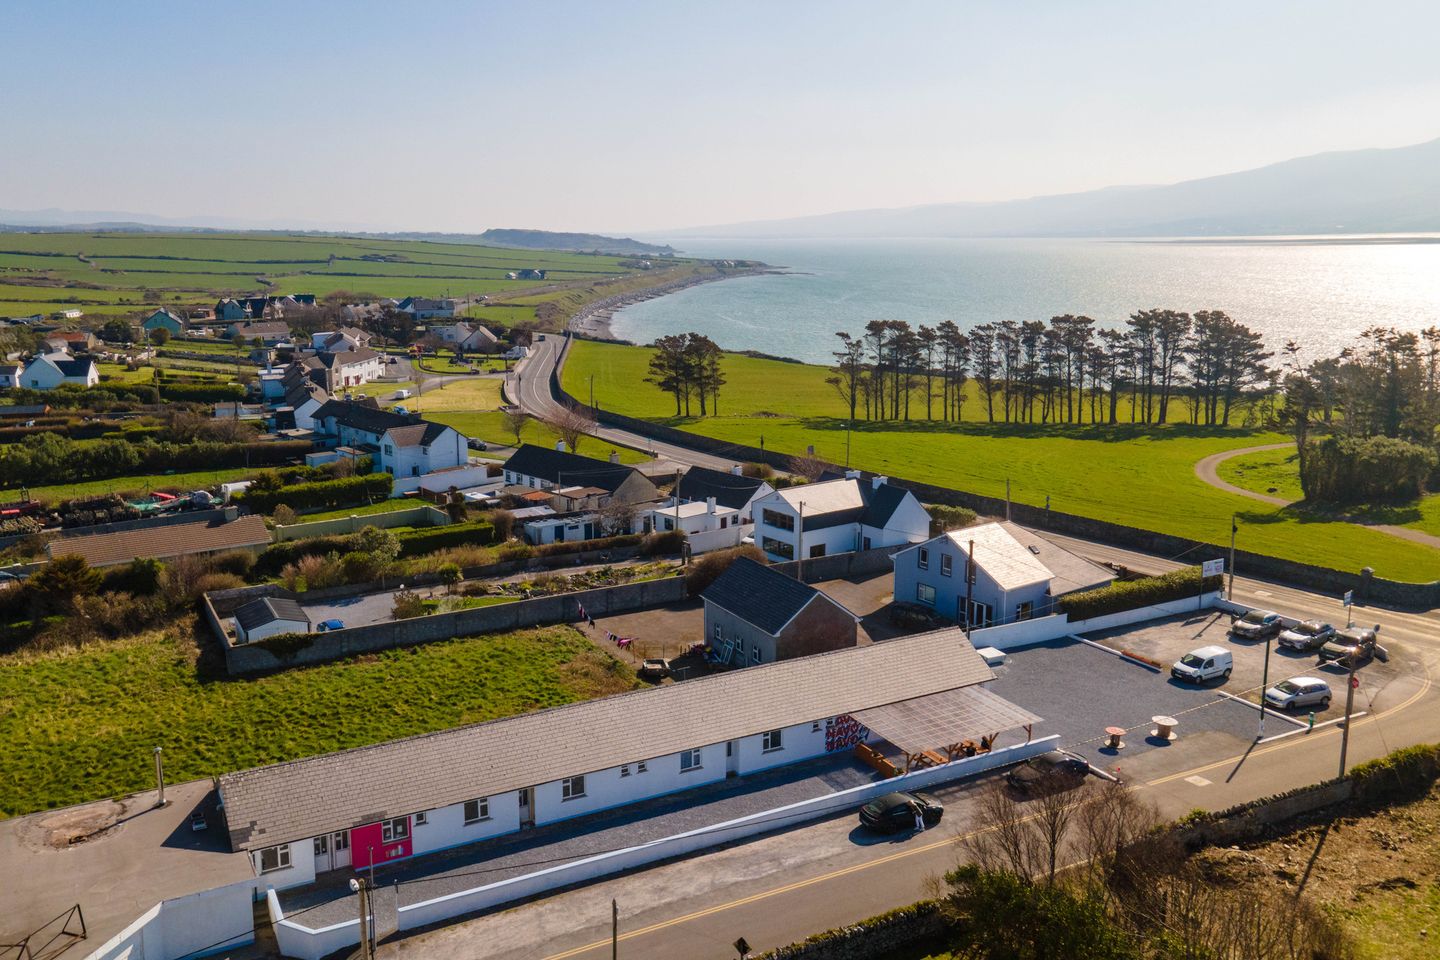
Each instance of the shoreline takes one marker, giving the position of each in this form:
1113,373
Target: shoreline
593,320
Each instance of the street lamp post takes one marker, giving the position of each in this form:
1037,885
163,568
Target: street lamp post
1264,684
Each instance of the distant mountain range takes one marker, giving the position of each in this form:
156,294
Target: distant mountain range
1356,191
580,242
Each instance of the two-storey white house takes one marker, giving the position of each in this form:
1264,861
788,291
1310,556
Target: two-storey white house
400,444
1016,573
837,516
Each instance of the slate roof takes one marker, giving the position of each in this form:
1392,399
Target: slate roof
74,368
363,416
830,503
264,329
265,610
287,802
699,483
1070,572
759,594
557,466
202,536
420,434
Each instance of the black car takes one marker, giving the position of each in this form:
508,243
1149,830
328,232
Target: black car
895,812
1049,773
1353,642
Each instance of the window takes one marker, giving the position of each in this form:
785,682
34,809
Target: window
689,760
740,647
818,550
777,548
719,635
342,841
572,788
624,769
1024,611
947,562
924,593
981,614
477,810
780,521
275,858
420,820
389,450
640,767
815,727
755,654
772,741
924,559
397,829
669,523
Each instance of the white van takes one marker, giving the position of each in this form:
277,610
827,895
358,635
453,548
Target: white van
1203,664
402,394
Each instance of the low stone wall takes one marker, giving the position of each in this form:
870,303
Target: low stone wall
561,608
916,925
422,515
1251,821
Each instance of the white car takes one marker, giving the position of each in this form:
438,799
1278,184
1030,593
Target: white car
1299,692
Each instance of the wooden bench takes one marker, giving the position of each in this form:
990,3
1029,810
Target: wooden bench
875,760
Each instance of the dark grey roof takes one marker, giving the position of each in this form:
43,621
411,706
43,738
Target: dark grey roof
267,610
759,594
363,416
74,368
701,483
287,802
567,469
880,503
420,434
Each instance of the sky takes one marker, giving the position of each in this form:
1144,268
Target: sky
631,117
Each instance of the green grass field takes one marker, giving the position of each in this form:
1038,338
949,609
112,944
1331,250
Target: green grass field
1128,473
1272,472
89,718
137,484
478,394
490,427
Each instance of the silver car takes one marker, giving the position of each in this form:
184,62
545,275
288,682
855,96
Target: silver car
1307,636
1299,692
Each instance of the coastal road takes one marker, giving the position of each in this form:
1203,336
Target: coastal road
529,386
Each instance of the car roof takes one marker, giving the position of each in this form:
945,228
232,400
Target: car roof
1211,651
1308,682
1263,613
891,799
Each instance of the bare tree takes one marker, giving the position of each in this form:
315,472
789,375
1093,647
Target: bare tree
572,424
515,420
618,517
808,466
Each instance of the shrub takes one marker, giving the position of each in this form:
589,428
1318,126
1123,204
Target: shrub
762,471
707,569
140,576
1130,594
428,539
357,566
321,494
1404,774
659,544
277,556
1365,469
504,523
944,517
61,582
238,563
283,515
408,605
449,573
201,392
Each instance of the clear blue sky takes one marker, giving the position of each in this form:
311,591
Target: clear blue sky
622,116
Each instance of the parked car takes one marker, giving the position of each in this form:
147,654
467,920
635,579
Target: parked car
1307,636
1049,773
1202,664
655,668
1355,643
1256,625
895,812
1299,692
402,394
393,360
332,624
475,444
198,822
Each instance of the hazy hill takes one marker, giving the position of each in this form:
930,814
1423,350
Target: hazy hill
1357,191
579,242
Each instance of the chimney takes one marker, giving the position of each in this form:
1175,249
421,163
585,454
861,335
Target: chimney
710,505
560,445
877,482
735,470
852,474
614,456
231,512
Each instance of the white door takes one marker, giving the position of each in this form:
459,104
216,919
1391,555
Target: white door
340,850
322,853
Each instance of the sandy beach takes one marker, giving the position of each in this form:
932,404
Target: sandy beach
593,320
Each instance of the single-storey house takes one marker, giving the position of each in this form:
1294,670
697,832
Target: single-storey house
467,336
423,308
163,319
837,516
541,468
269,332
392,801
22,411
269,616
49,372
755,614
211,532
1017,574
10,374
728,489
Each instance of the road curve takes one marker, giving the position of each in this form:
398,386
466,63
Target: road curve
1206,470
529,387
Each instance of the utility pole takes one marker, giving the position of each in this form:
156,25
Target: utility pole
1350,685
159,779
1230,590
1007,498
614,930
363,889
1264,684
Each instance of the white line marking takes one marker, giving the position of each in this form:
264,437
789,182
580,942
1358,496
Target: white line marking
1198,780
1270,711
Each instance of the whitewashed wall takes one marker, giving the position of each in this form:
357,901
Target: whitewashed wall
800,742
1011,636
446,826
197,924
607,788
300,871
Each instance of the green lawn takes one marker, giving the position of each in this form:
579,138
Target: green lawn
138,484
384,506
1273,472
88,719
490,427
1132,474
478,394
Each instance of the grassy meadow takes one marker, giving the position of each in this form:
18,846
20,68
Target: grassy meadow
140,484
1128,473
90,717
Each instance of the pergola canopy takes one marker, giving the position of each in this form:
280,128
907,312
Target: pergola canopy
939,720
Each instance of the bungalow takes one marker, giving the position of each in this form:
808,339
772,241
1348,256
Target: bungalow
471,337
403,445
992,573
269,332
47,373
541,468
10,375
396,800
755,614
163,319
269,616
26,411
210,532
76,341
422,308
837,516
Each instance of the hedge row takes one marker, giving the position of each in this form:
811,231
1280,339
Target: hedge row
414,543
274,557
326,494
1130,594
202,392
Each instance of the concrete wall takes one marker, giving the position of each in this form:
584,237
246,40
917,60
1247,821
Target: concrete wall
195,925
299,941
708,540
605,789
301,870
446,827
423,515
1011,636
800,742
562,608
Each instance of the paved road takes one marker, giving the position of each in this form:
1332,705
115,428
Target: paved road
1206,469
530,388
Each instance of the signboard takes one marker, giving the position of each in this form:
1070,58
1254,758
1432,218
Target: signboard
1349,598
1212,568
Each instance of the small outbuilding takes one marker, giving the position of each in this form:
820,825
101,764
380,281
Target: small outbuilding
755,614
268,617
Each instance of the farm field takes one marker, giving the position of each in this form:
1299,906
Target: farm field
91,716
490,427
1127,473
124,273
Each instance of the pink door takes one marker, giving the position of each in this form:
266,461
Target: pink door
369,844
